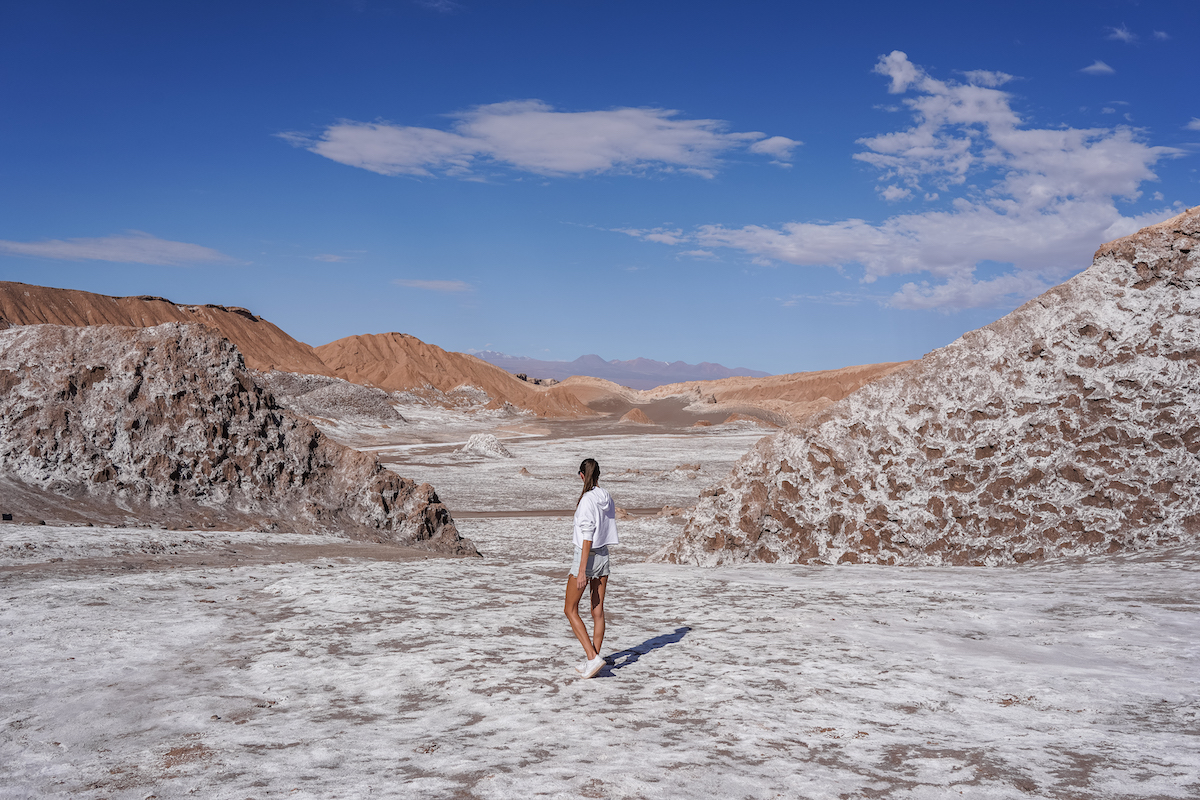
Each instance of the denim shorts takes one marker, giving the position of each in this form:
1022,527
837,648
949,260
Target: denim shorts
597,563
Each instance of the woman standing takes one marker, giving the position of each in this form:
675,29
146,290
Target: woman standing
595,530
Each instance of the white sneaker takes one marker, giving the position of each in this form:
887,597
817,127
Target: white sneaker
581,666
592,667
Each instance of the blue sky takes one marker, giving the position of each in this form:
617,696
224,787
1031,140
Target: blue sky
776,185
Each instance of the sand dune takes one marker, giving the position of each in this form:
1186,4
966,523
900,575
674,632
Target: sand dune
399,362
1069,427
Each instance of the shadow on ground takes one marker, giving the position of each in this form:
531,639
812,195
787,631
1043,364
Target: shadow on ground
624,658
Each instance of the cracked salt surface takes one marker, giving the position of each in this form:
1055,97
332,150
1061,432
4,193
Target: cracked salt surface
131,671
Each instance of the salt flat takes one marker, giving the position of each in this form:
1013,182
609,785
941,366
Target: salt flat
239,664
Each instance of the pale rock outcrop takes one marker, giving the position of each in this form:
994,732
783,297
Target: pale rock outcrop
1069,427
486,445
330,398
165,424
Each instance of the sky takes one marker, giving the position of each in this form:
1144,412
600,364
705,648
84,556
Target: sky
773,185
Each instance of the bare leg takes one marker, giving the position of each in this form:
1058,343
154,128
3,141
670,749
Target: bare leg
571,609
598,587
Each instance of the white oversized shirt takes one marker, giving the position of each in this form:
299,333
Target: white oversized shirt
596,519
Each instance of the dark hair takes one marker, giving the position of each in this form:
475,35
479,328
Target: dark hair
590,471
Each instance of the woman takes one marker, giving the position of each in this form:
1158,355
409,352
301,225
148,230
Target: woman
595,530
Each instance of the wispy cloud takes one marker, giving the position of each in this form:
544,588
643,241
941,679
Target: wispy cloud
1040,199
1194,125
1098,68
660,235
532,136
1161,36
435,286
133,247
331,258
441,6
984,77
1122,34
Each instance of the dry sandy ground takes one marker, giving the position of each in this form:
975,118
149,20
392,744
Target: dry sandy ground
231,665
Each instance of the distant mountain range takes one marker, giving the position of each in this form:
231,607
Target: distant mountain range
640,373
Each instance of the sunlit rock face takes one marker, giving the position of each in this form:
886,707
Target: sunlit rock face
1069,427
166,424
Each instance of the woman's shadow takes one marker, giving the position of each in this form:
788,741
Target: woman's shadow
624,658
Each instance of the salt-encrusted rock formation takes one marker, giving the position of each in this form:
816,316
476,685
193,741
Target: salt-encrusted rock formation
329,398
166,424
263,345
486,445
1071,426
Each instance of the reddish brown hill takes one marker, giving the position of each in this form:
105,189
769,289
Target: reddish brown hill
263,345
399,362
1068,427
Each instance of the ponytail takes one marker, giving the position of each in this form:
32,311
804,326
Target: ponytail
590,471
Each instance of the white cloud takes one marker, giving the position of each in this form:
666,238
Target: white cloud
1161,36
893,193
778,147
709,254
1107,110
961,291
531,136
1098,68
1039,199
133,247
983,77
436,286
331,258
1122,34
1194,125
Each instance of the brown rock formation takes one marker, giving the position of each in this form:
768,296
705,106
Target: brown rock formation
263,345
399,362
165,424
635,416
792,397
777,400
1070,426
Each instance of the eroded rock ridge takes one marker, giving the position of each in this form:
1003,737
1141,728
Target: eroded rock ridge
1069,427
166,424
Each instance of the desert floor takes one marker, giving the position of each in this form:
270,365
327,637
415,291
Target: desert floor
146,663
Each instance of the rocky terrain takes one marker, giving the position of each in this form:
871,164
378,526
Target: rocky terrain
778,400
262,344
165,425
1071,426
333,399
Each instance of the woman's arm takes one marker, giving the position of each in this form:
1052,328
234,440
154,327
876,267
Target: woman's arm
581,575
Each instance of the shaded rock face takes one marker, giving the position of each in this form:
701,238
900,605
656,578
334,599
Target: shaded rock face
1069,427
329,398
166,424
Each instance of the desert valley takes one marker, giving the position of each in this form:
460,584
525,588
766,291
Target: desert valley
235,565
